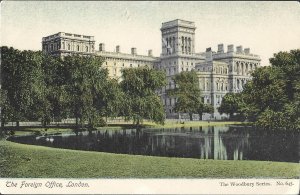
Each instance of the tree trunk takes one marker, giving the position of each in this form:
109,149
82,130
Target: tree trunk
200,116
77,122
191,116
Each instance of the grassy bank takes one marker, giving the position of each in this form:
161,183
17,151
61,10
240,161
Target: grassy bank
18,160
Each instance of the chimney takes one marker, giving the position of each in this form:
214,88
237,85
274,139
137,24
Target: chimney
221,48
150,52
239,49
101,47
118,48
247,50
133,51
230,48
208,54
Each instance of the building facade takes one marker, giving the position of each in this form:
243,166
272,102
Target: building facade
218,72
63,44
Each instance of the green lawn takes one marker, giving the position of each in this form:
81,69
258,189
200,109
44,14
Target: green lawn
19,160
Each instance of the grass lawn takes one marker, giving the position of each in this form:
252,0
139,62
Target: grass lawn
19,160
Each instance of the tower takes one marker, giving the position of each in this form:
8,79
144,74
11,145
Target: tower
178,37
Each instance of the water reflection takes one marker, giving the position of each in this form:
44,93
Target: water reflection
219,142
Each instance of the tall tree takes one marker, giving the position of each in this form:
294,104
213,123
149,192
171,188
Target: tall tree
230,104
22,81
187,93
271,99
85,79
139,86
113,99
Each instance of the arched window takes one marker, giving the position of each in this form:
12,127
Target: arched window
69,47
86,48
77,47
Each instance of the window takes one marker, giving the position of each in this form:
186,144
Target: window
63,45
87,49
130,65
77,47
51,47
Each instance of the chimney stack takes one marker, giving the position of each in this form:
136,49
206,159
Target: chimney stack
247,50
221,48
230,48
239,49
118,48
208,54
133,51
150,52
101,47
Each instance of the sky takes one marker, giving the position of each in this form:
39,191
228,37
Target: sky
265,27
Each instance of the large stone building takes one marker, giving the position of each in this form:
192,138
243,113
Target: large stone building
62,44
218,72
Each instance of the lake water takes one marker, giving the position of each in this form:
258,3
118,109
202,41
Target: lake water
219,142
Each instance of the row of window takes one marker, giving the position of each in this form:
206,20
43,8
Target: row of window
57,46
116,61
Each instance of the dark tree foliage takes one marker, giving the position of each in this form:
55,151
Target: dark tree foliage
187,93
230,104
272,98
85,80
140,99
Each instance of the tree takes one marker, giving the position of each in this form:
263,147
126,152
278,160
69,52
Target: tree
55,94
22,82
204,108
139,86
230,104
85,80
187,93
271,99
113,98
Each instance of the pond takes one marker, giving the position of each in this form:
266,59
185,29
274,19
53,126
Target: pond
213,142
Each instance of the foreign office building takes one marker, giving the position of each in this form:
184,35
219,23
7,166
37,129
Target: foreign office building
219,72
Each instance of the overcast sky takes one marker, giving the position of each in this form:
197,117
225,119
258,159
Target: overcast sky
265,27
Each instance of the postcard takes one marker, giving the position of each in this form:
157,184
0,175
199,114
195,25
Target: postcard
149,97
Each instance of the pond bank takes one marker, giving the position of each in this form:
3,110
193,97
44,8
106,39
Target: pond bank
19,160
117,126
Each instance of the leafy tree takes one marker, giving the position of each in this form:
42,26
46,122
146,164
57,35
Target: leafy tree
54,103
271,99
22,79
187,93
141,101
230,104
204,108
85,80
113,98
